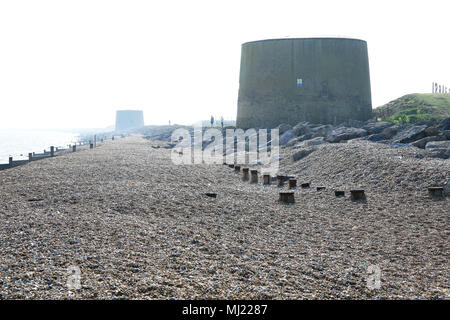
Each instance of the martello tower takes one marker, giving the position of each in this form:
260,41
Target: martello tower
320,80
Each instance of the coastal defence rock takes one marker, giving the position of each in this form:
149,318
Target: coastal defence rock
421,143
301,129
438,145
321,130
376,127
282,128
390,132
438,149
286,137
376,137
298,140
445,124
410,134
345,133
439,153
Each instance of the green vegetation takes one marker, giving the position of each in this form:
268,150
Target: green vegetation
415,108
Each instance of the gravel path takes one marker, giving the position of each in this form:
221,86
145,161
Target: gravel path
139,227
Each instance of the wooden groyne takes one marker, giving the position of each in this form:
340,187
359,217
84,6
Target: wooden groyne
52,152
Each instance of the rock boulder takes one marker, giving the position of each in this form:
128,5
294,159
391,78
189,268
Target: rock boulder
284,128
410,134
444,124
345,133
422,142
286,137
376,127
438,145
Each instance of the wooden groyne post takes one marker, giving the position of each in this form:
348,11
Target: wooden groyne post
266,179
339,193
287,197
280,180
245,174
10,161
74,148
52,151
254,176
30,156
357,194
292,183
305,185
436,192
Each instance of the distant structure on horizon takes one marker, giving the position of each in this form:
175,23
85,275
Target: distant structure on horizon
320,80
129,119
437,88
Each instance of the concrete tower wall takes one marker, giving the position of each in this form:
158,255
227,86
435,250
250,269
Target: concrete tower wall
128,119
335,82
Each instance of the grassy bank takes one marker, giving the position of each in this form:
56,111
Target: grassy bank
415,108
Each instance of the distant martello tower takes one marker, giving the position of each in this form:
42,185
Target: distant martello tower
129,119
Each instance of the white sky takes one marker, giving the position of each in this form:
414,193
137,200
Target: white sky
72,64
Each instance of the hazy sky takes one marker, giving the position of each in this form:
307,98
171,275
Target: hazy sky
74,63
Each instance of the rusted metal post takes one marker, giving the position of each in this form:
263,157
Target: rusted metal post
292,183
357,194
280,180
245,174
254,176
436,192
52,151
287,197
266,179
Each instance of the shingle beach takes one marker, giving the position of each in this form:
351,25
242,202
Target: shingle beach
140,227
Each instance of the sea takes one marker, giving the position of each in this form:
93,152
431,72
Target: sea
19,142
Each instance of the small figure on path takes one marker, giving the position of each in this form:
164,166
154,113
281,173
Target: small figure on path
221,121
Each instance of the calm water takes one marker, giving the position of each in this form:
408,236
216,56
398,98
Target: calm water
18,143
